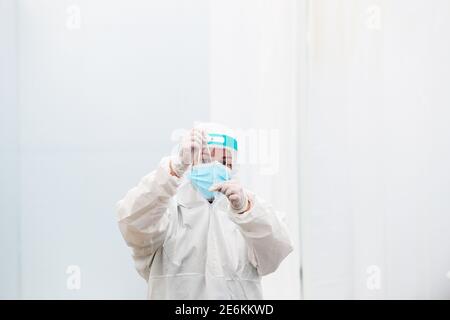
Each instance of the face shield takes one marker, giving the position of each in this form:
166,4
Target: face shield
216,162
222,145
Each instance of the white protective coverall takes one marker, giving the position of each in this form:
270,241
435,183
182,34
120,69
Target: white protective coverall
188,248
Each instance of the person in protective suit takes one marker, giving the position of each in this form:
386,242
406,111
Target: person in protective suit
195,233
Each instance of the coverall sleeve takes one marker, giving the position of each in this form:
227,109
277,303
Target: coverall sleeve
143,215
265,233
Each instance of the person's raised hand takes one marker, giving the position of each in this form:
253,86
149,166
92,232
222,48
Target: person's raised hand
190,151
235,194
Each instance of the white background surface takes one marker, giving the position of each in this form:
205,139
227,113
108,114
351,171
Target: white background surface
375,150
356,90
9,154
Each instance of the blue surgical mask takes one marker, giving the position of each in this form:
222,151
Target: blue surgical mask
205,175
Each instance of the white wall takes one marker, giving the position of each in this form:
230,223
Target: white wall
97,106
375,149
91,107
9,154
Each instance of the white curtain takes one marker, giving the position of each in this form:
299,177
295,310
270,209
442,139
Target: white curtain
253,79
375,139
